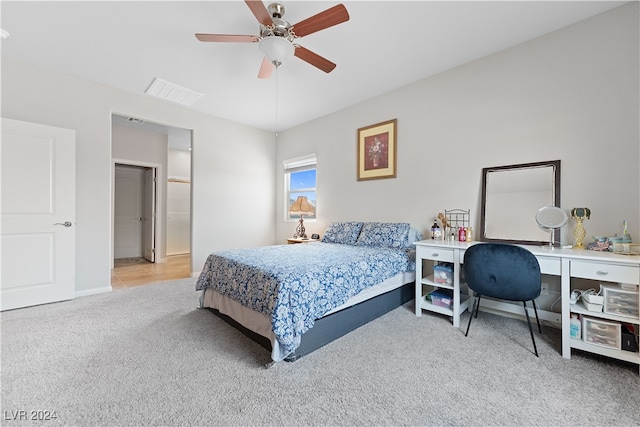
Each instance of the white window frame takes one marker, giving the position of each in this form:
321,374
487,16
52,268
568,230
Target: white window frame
298,164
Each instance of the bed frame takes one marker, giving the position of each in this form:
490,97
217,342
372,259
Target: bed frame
338,324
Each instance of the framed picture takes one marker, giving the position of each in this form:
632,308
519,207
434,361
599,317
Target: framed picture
377,151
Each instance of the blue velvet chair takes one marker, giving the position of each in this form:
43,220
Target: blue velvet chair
506,272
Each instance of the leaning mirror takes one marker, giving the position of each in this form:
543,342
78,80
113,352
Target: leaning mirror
511,197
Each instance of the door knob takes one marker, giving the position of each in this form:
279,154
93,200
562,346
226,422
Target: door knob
66,223
139,218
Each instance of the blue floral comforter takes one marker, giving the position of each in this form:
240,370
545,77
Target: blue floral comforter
294,285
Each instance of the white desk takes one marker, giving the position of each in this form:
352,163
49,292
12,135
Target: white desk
565,263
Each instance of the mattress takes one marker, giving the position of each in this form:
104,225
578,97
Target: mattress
294,285
260,323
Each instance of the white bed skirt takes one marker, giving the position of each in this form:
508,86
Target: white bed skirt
261,324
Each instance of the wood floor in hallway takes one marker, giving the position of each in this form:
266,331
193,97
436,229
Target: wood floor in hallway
131,272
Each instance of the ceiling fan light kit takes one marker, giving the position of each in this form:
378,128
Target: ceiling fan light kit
277,49
276,39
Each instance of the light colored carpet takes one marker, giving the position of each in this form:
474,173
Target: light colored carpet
147,356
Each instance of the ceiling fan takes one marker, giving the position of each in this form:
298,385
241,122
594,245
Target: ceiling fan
277,36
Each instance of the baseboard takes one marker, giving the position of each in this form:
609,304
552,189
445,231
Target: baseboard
516,311
95,291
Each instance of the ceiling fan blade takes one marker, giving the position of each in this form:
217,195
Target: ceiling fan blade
259,11
227,38
330,17
314,59
265,69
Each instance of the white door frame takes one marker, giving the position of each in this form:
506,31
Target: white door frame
159,240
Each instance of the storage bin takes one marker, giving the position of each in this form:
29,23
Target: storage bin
620,301
602,333
443,273
626,248
442,298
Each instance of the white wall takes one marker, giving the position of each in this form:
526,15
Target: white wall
570,95
146,148
179,202
232,168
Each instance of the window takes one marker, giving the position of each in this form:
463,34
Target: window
300,181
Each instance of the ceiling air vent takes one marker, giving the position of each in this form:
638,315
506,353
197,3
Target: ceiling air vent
172,92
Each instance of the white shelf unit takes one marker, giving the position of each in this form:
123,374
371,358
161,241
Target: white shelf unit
426,258
601,273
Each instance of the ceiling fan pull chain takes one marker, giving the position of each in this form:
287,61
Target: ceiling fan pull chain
277,101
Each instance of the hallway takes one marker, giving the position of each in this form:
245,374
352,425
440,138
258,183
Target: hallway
131,272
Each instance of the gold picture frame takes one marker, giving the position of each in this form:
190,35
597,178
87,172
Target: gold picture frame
377,151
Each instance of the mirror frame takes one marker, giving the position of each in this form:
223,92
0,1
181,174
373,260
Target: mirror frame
555,187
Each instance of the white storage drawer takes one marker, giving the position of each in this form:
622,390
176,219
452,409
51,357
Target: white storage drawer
619,301
436,254
607,272
599,332
549,265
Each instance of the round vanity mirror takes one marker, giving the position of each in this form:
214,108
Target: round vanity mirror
551,218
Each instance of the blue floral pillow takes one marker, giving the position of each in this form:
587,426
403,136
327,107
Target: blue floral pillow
342,232
384,234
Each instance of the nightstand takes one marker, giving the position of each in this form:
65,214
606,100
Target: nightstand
292,240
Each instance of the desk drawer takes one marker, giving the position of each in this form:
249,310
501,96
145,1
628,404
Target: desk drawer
550,265
437,254
606,272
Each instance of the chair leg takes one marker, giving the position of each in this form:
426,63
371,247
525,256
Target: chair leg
476,300
535,309
535,349
478,306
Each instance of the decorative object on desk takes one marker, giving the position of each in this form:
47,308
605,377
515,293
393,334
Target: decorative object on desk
626,248
462,234
621,242
469,234
600,243
436,232
457,221
377,151
301,207
551,218
443,221
579,214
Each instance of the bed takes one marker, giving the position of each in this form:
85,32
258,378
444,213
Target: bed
296,298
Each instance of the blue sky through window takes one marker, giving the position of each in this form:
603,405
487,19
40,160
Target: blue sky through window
298,183
304,179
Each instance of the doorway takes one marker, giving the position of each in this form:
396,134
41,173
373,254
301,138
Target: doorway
138,148
134,214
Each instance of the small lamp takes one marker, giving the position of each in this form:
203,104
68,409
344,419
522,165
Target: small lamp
301,207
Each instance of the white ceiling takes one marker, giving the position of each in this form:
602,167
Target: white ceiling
384,45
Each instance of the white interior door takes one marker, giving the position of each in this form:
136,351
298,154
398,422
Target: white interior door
128,211
149,215
38,214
